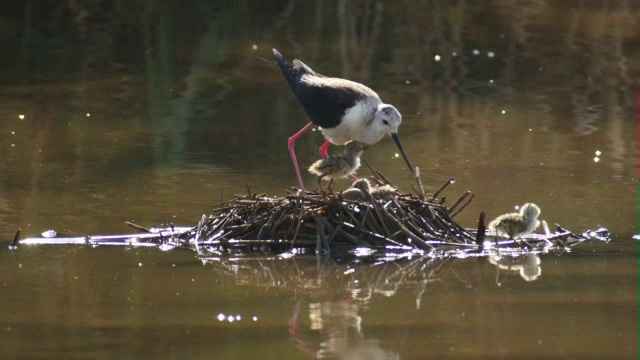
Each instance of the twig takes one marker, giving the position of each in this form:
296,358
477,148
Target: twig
577,236
384,178
481,229
373,172
460,199
137,227
419,182
404,229
15,239
444,186
199,233
464,206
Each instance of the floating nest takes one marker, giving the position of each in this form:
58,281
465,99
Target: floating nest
325,223
333,221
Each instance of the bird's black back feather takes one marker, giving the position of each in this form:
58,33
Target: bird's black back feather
325,101
326,105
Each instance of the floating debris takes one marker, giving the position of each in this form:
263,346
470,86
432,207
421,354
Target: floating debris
49,234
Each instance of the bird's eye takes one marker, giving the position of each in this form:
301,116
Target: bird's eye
385,122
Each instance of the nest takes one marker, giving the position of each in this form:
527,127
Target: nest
330,222
327,223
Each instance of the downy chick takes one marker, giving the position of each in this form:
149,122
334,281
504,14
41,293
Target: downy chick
338,166
381,192
517,224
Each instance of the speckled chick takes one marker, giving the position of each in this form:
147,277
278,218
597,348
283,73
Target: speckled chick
381,192
338,166
357,190
363,185
517,224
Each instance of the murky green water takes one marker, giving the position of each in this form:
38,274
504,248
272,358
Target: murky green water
154,112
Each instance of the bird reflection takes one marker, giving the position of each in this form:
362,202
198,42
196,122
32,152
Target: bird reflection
345,339
528,266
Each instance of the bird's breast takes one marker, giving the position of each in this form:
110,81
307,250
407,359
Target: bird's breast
356,124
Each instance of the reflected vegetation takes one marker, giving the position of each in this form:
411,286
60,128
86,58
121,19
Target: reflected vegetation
333,293
327,323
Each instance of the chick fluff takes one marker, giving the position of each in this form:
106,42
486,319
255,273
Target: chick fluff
381,192
338,166
517,224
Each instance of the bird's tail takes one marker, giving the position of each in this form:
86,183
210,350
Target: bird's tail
293,72
290,72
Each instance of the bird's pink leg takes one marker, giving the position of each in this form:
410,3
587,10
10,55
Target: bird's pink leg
291,144
324,149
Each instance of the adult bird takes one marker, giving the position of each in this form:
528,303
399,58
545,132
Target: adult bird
343,110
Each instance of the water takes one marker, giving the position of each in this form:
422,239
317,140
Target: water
153,113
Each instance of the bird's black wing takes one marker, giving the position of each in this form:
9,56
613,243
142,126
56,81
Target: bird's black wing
324,99
325,102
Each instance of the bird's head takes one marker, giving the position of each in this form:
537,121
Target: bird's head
530,211
363,184
387,118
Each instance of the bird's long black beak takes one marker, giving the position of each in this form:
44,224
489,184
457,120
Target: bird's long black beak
396,139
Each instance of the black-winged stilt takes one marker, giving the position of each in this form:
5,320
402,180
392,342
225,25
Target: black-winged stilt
338,166
517,224
344,110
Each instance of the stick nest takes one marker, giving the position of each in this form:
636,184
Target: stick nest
330,221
